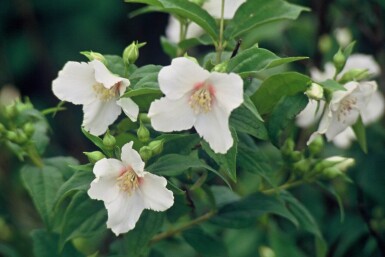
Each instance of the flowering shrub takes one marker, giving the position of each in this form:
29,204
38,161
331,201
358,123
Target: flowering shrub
175,167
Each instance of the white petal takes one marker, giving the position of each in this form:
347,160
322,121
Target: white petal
129,107
154,192
323,126
180,77
104,187
320,76
375,108
362,61
228,90
124,212
337,125
104,76
171,115
173,30
131,158
99,115
214,128
214,7
344,139
311,114
74,83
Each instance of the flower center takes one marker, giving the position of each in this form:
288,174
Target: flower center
105,94
128,181
346,105
201,99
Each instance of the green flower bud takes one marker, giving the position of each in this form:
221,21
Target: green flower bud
109,141
21,137
354,75
287,147
29,129
10,111
94,156
2,128
143,133
295,156
131,53
331,172
338,162
27,105
11,136
222,67
156,146
265,251
302,166
145,153
316,146
94,56
315,91
325,43
339,60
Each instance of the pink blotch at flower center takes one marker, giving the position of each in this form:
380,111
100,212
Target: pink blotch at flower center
128,181
202,98
347,104
106,94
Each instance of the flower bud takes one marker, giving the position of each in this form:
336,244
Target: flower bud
302,166
316,146
339,60
287,147
2,128
222,67
29,129
22,106
331,173
143,133
325,43
94,156
131,52
145,153
265,251
109,141
11,136
156,146
10,111
354,75
343,36
295,156
315,91
21,137
340,163
94,56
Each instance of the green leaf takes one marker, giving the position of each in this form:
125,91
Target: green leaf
359,131
63,164
255,59
94,139
83,217
196,41
136,242
116,65
255,13
204,243
244,212
175,164
187,10
277,86
283,113
42,185
227,161
170,48
80,181
145,77
332,85
349,49
45,244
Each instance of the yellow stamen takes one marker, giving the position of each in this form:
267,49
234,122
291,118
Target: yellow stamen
128,181
105,94
346,105
200,101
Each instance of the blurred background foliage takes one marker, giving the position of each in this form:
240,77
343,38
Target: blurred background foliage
38,36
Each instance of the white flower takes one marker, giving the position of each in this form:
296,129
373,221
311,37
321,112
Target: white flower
345,108
310,114
355,61
98,90
196,97
343,36
126,190
213,7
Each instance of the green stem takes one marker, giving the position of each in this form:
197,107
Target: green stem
188,225
283,187
221,26
34,156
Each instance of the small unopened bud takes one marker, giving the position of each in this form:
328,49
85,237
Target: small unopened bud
354,75
222,67
341,163
145,153
94,156
21,137
29,129
287,147
265,251
11,136
109,141
325,43
295,156
10,111
143,133
302,166
331,173
2,128
131,52
23,106
315,91
94,56
339,60
316,146
156,146
343,36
